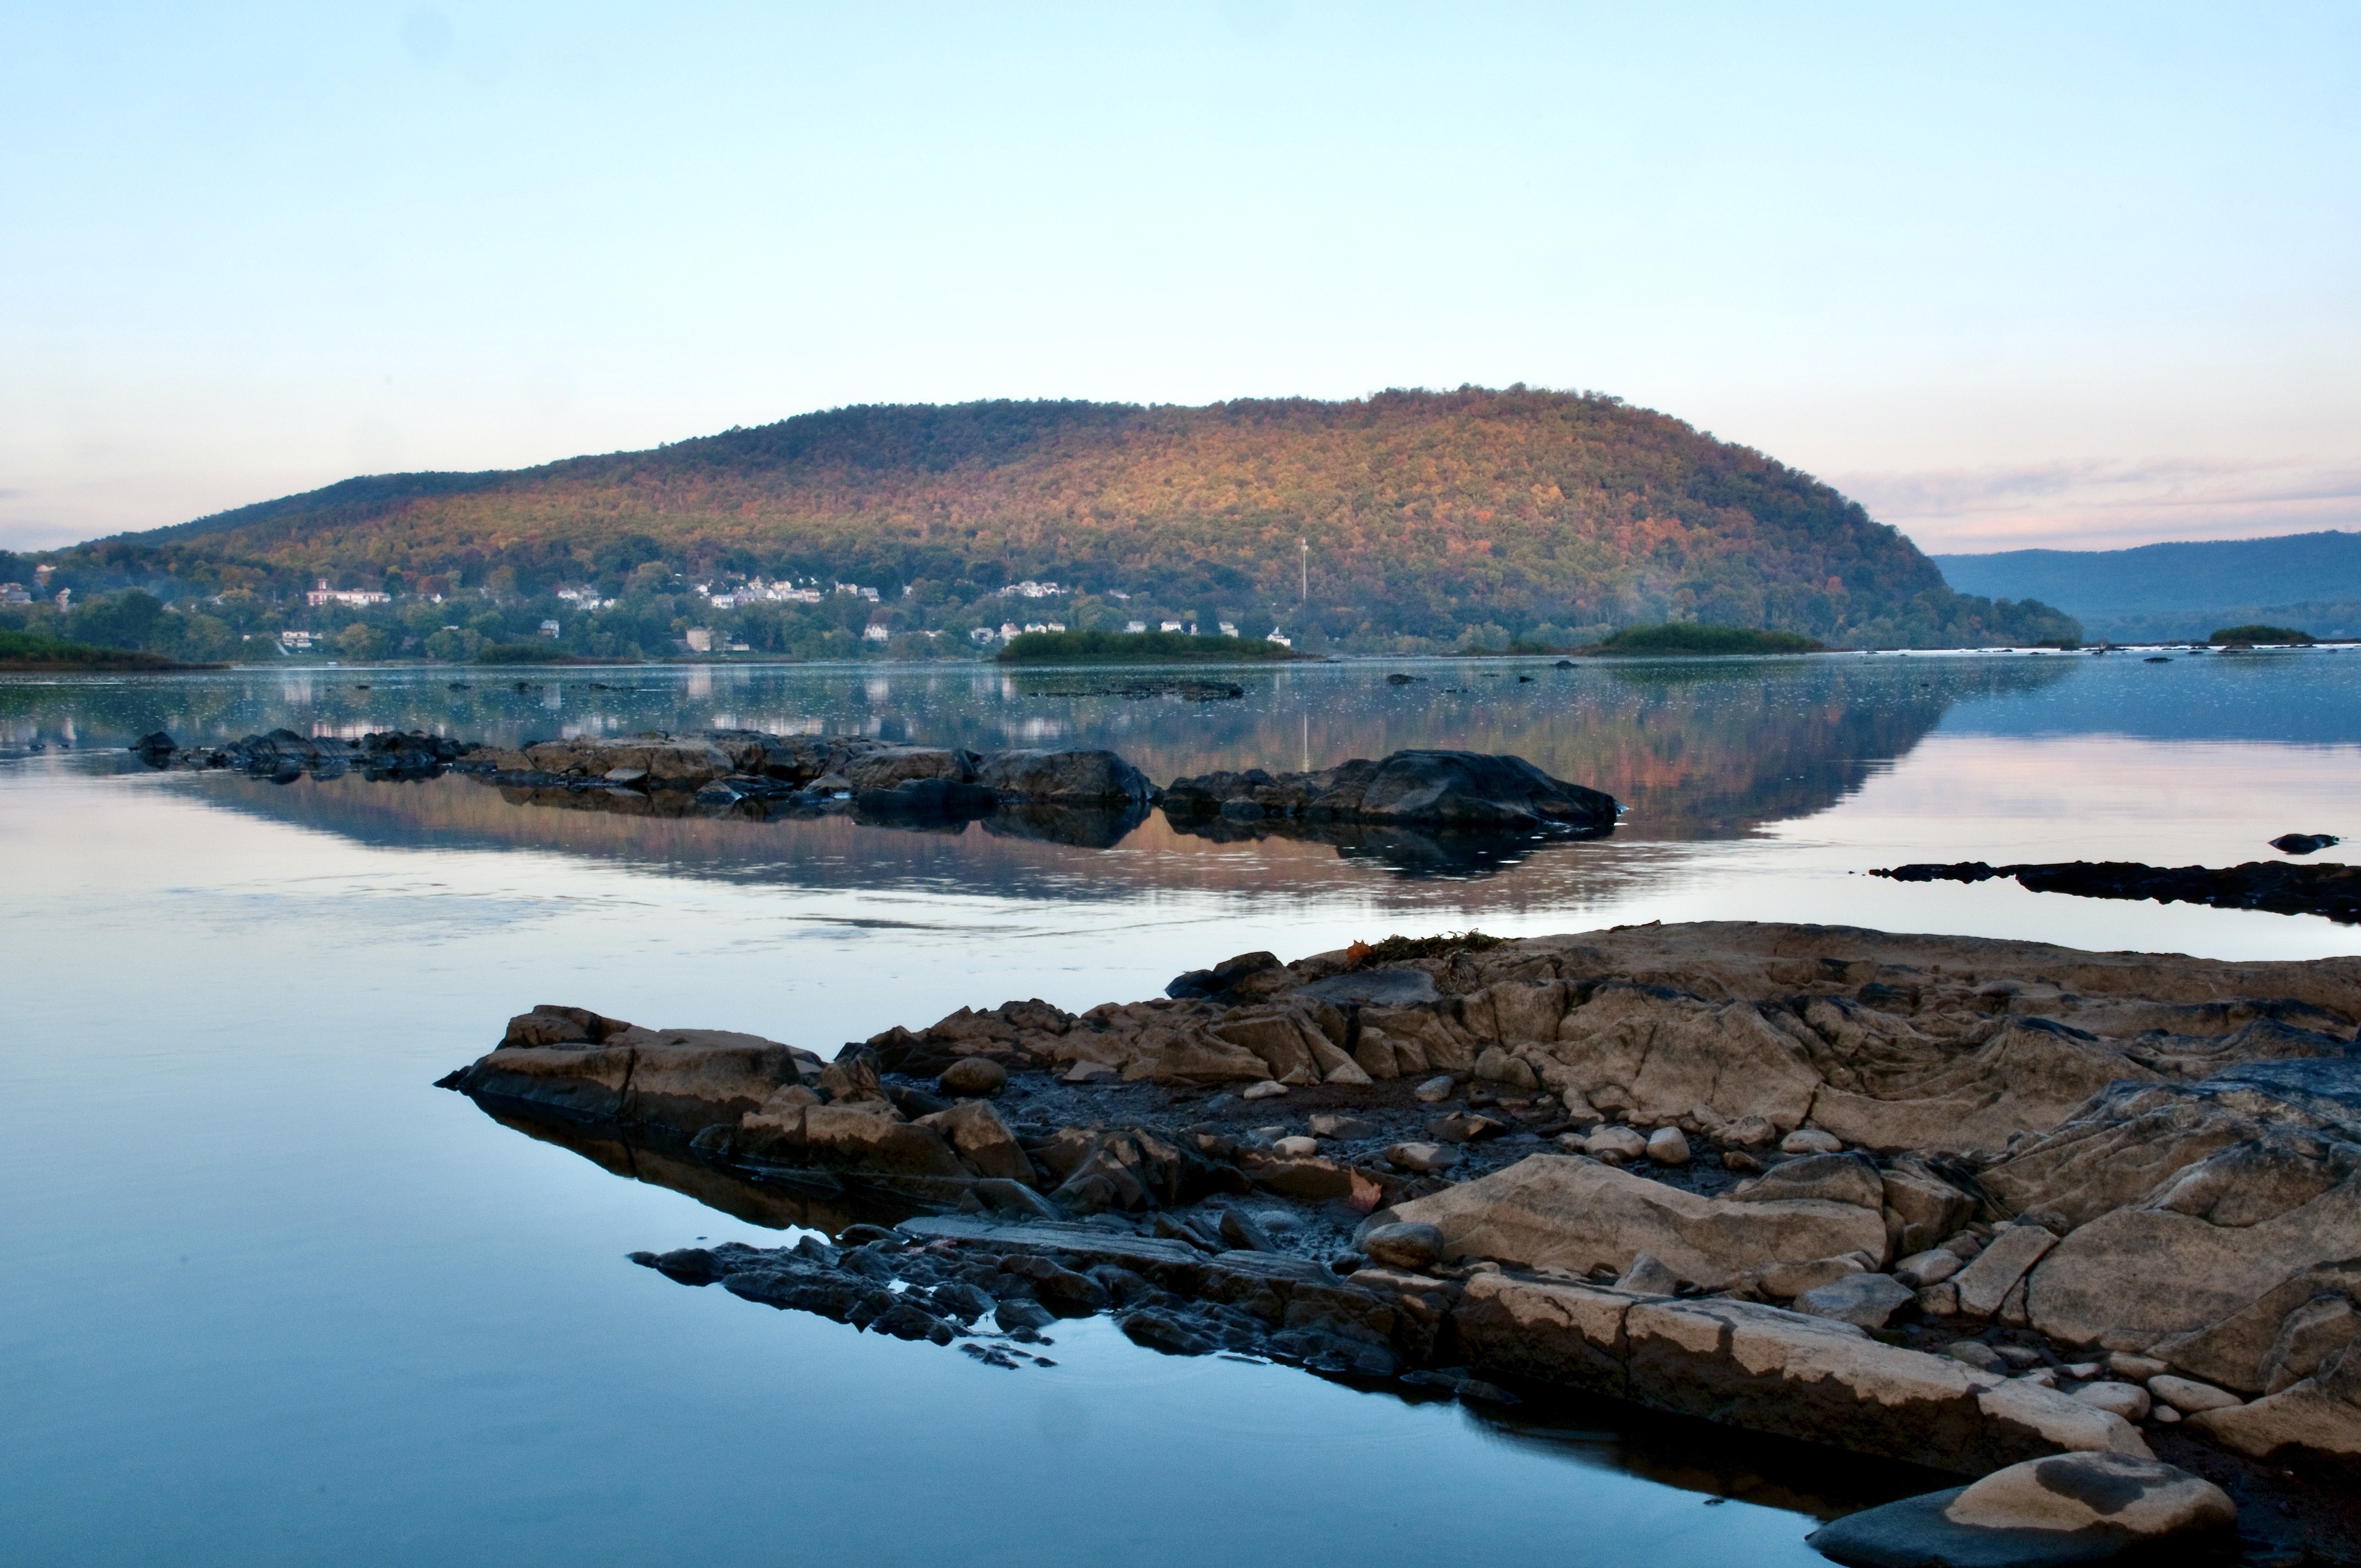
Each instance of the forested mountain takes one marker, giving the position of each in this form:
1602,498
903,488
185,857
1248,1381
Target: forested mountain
1426,519
2312,580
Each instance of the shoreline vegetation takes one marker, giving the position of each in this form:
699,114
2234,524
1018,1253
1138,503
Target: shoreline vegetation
24,653
1692,637
1140,648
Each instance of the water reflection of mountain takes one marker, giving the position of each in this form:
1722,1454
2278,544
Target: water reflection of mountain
1697,752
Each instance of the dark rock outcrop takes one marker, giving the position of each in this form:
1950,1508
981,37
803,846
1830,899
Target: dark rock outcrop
1461,791
284,755
2333,890
2304,843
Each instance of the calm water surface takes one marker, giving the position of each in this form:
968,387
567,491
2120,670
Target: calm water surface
272,1299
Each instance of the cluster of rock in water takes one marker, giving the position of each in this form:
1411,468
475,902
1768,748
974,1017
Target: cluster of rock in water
1080,795
1958,1202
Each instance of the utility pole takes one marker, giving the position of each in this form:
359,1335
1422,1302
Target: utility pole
1303,586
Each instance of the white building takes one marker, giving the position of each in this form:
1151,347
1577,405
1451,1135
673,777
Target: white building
550,629
323,594
1135,626
14,593
1030,589
875,633
1170,626
983,636
295,641
1281,637
1009,629
1229,630
699,638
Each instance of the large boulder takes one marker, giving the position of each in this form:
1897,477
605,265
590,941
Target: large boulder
672,764
580,1064
1572,1214
869,1139
982,1140
2074,1508
1079,777
1463,791
889,766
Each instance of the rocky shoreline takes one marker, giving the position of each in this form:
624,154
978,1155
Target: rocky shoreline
1964,1202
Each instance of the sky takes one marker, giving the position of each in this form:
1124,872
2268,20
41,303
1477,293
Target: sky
2082,276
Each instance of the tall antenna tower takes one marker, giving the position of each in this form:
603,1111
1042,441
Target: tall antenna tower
1303,585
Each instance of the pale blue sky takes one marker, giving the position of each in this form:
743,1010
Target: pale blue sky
2028,274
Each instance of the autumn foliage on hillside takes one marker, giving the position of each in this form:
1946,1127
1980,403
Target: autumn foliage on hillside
1474,514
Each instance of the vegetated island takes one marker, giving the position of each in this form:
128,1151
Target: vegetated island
24,652
1139,647
2249,636
1694,637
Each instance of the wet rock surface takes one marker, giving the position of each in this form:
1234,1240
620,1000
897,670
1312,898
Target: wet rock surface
2333,890
1962,1201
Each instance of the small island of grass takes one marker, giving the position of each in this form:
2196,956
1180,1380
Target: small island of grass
1693,637
1137,648
2249,636
28,652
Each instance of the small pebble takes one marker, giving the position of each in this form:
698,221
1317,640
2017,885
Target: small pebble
1269,1089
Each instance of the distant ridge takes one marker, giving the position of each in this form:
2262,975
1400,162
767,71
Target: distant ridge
1398,522
2183,589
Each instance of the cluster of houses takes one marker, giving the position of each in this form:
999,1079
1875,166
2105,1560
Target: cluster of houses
17,593
757,591
984,636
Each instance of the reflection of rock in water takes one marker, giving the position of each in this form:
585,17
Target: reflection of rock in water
648,1157
1407,851
1087,827
1083,827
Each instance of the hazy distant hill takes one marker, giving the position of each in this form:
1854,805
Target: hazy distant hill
1491,515
2308,580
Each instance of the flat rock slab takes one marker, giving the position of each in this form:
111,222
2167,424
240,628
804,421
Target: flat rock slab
1048,1236
1765,1369
1576,1214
